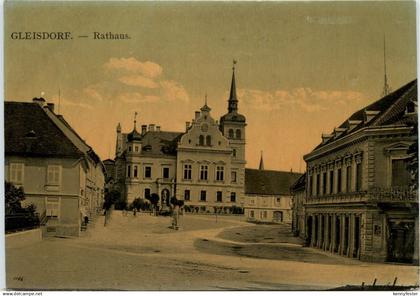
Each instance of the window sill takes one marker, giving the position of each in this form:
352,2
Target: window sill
52,187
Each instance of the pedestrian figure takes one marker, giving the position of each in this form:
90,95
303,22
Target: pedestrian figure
134,211
175,217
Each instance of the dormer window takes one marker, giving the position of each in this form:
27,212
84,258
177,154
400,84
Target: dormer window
411,108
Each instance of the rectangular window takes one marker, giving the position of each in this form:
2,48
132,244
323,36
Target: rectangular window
358,177
251,214
310,185
233,197
220,173
52,207
324,183
187,195
187,172
313,184
233,177
265,214
137,148
148,172
129,171
54,175
135,173
400,173
16,173
146,193
331,182
318,185
204,172
339,181
219,196
348,179
203,196
165,173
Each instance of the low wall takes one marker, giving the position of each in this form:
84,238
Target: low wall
23,238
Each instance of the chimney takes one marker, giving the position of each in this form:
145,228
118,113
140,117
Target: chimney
197,114
151,127
158,128
50,106
40,101
187,125
143,129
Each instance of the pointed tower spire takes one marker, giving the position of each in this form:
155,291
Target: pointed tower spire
387,88
135,120
233,101
261,167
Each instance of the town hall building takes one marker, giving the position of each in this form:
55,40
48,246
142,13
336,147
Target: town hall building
203,165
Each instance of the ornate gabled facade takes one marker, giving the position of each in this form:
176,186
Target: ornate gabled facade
360,198
204,165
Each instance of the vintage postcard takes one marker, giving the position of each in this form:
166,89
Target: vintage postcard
207,145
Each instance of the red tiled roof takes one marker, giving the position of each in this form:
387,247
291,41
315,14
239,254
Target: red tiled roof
266,182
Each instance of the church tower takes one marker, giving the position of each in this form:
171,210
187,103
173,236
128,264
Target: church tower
119,144
232,126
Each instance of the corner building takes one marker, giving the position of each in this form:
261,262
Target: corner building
361,201
204,165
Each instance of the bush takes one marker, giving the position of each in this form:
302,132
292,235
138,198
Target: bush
16,216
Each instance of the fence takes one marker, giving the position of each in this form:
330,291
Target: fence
20,222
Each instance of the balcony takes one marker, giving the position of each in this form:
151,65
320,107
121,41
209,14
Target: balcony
402,194
338,198
405,194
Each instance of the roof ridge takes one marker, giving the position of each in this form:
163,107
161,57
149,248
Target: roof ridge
381,118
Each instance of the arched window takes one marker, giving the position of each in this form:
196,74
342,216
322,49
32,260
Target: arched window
201,140
238,134
208,140
231,134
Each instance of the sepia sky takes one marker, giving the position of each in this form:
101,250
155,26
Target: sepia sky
302,69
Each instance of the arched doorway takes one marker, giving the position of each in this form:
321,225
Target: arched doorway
164,197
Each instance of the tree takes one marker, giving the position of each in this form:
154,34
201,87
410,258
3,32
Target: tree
138,204
154,200
16,216
111,198
13,198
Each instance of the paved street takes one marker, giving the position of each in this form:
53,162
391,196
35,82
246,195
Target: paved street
143,253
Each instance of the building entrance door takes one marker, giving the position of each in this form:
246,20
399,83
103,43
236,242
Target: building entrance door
401,241
278,216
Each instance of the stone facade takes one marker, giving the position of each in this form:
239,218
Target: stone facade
360,200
